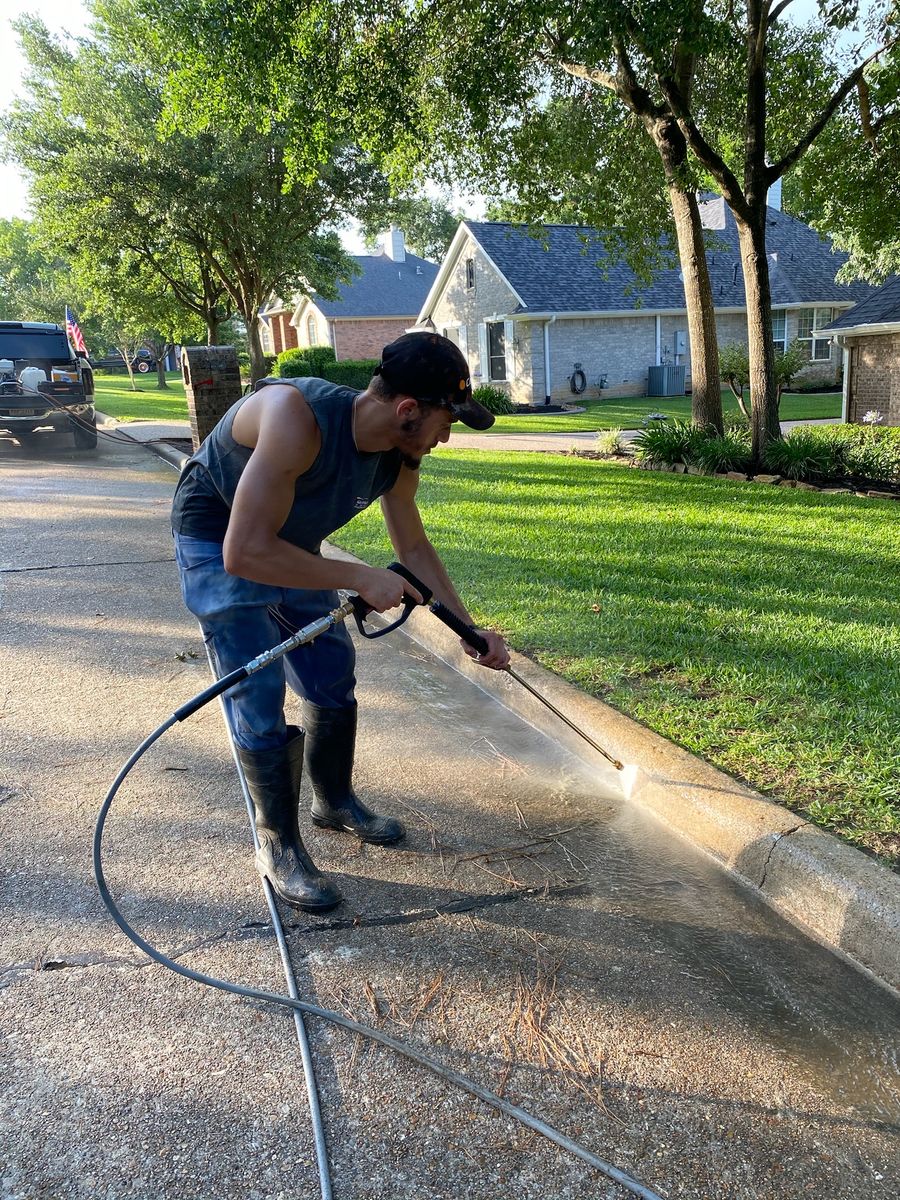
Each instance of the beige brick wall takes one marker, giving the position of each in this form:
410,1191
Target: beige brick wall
463,308
732,327
874,383
366,339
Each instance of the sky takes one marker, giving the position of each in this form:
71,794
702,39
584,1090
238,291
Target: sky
71,16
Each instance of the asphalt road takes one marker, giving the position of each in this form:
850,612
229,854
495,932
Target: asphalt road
535,932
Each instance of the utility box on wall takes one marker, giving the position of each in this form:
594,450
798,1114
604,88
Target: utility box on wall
212,383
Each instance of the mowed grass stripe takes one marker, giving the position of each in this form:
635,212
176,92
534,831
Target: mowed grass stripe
757,627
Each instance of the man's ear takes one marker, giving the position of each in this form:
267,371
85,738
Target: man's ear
407,407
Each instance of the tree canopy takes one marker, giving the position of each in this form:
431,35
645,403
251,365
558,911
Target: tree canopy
225,217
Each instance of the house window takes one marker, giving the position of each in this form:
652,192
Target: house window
779,330
809,322
311,330
470,272
496,350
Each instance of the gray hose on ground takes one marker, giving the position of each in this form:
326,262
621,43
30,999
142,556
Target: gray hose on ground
309,1070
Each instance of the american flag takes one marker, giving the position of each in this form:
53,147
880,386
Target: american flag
73,329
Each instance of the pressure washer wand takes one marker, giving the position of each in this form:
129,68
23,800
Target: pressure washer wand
300,638
474,639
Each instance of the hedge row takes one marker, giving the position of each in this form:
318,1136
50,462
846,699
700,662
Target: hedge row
319,362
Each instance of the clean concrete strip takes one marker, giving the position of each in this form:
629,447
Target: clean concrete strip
842,897
837,893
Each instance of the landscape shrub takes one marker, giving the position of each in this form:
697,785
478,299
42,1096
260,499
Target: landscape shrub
350,372
495,400
668,442
865,451
730,451
303,360
609,442
803,454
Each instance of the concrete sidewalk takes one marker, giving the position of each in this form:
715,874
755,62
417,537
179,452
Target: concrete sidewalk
536,932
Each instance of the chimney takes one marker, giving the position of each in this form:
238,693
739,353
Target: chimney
394,245
774,197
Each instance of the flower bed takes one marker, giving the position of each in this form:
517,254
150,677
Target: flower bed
852,458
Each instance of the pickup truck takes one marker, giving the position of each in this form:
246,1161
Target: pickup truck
44,384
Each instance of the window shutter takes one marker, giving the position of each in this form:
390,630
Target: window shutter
483,360
509,344
463,333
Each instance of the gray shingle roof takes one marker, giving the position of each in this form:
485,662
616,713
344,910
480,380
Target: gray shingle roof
383,288
882,307
564,277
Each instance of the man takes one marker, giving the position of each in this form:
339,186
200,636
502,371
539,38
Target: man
284,468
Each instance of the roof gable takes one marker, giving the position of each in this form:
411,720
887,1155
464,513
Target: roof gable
559,272
383,288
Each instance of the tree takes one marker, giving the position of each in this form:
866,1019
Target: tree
734,364
848,185
213,213
35,280
747,160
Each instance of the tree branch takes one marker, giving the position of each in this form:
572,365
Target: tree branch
793,156
778,10
591,74
703,151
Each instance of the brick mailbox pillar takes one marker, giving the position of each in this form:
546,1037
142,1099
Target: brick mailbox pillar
212,383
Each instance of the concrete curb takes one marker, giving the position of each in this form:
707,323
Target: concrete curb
836,893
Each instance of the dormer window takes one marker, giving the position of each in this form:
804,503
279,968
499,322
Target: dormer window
470,273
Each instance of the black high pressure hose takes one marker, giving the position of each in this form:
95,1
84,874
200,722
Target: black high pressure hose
303,1006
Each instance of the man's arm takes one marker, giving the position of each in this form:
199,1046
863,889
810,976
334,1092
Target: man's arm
415,551
286,441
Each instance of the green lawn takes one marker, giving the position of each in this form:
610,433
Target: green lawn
116,399
627,412
757,627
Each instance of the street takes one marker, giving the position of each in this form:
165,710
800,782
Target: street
535,931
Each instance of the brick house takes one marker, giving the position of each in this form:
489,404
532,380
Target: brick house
375,307
869,336
525,310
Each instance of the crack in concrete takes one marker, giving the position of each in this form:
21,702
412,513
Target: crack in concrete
127,562
16,972
775,841
463,905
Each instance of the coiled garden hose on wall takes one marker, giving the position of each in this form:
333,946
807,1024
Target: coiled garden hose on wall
357,607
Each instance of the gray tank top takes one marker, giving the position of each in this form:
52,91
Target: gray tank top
340,483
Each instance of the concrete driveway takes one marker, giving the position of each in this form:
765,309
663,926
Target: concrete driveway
535,932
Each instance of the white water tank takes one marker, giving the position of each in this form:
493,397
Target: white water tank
31,377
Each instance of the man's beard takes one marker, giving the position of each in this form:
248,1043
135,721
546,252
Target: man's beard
411,426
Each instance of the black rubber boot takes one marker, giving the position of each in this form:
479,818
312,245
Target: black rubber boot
273,778
330,744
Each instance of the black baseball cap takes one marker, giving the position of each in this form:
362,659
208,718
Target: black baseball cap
427,366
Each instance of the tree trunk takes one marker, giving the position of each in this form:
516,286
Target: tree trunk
257,355
764,424
161,382
212,329
706,385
